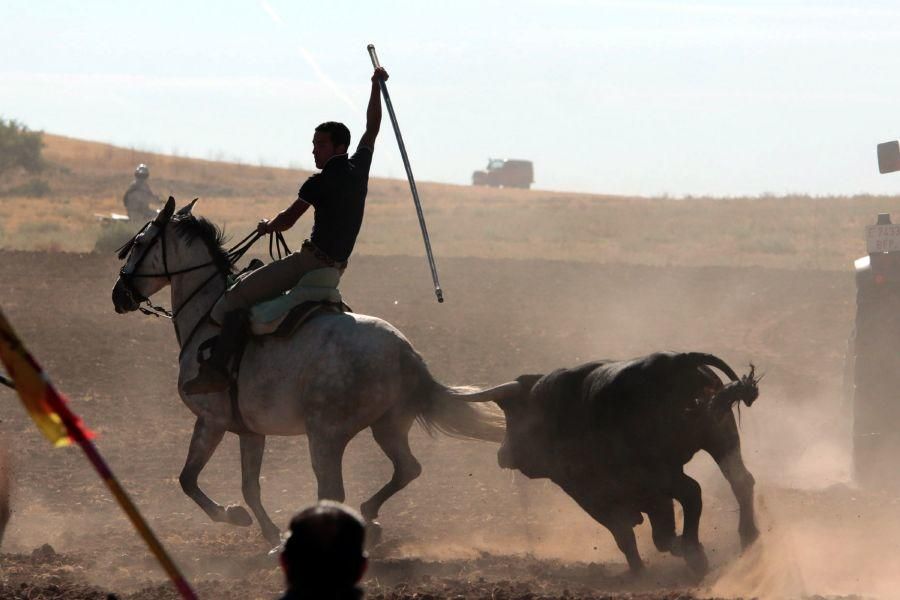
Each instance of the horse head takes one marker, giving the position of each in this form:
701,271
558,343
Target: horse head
151,257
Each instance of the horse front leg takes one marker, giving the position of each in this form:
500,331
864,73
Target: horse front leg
252,447
204,442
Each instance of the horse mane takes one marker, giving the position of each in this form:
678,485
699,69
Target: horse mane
191,228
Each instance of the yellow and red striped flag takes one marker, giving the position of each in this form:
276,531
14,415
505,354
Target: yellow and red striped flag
43,402
51,413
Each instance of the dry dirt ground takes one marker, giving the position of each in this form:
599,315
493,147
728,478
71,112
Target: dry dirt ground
465,528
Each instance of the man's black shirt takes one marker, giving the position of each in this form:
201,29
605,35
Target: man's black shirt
338,194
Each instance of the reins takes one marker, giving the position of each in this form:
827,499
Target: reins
234,254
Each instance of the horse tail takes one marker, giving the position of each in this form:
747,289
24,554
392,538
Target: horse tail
451,411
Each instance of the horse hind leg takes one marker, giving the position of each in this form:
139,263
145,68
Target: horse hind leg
204,442
252,447
326,452
391,433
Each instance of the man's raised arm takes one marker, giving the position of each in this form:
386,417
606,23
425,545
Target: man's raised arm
373,112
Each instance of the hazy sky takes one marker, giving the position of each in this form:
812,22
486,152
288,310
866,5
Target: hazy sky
623,97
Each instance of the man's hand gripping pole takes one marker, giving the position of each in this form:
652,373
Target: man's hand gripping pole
409,175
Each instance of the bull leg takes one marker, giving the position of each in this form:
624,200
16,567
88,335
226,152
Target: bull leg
327,454
662,522
687,491
391,434
252,447
621,525
732,466
724,445
619,521
623,533
204,442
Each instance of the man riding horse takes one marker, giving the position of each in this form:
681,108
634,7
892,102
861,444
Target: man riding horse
338,195
140,202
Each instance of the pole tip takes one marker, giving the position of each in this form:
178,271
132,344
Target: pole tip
371,46
440,295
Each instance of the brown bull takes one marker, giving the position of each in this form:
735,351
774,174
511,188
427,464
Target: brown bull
615,436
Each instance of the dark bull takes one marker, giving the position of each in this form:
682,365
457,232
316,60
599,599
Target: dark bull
615,436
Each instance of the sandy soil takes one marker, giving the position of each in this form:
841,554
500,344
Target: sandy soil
465,528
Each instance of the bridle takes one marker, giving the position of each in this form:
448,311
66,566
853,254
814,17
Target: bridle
233,255
128,276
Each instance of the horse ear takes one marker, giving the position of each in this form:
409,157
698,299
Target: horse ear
166,213
186,210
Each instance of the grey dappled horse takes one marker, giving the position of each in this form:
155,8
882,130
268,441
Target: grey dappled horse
337,375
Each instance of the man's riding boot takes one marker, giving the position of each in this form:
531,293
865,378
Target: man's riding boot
214,375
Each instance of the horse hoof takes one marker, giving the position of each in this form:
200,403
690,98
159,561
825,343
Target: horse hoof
373,533
273,537
237,515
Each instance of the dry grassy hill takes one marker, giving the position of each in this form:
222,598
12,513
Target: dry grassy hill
786,232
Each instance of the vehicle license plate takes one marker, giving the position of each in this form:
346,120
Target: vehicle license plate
882,238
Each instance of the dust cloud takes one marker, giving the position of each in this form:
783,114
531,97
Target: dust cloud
465,521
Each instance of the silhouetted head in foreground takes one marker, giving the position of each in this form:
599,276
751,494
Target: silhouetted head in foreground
324,556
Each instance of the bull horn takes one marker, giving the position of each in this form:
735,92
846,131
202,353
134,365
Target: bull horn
496,394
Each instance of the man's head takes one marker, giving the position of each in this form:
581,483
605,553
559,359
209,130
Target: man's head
325,549
330,139
141,171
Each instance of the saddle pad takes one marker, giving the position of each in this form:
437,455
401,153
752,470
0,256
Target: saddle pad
319,285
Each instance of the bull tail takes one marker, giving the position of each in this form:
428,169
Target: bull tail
452,411
740,389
